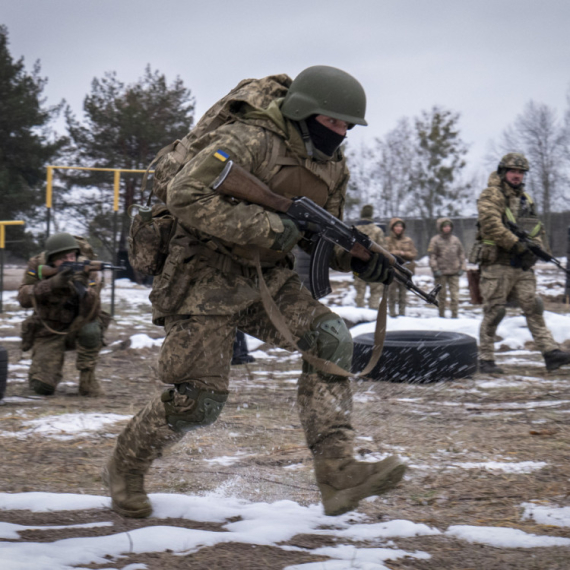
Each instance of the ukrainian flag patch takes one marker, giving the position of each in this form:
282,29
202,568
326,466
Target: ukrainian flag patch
221,155
32,272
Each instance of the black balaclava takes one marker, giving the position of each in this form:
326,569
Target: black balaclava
323,138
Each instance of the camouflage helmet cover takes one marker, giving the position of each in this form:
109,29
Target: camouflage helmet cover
60,243
367,211
324,90
513,160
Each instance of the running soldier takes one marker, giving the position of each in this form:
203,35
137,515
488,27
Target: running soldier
367,226
447,262
506,263
67,315
209,285
403,246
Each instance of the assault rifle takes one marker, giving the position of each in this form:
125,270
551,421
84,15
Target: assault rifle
328,231
80,266
524,237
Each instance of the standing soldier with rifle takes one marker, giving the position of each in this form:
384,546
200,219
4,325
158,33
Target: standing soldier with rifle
230,258
402,246
506,260
61,287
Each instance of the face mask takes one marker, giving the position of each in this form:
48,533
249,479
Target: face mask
323,138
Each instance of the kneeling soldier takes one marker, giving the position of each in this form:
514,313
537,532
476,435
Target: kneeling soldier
67,315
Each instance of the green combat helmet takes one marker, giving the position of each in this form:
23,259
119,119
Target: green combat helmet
513,160
59,243
324,90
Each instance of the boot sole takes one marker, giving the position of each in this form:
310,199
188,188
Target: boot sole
340,502
132,514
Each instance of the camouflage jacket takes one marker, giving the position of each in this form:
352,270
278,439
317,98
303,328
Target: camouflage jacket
374,232
497,240
401,245
57,309
269,146
446,254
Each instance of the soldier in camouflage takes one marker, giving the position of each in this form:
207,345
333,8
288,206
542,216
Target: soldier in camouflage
67,315
209,287
367,226
397,243
506,262
447,262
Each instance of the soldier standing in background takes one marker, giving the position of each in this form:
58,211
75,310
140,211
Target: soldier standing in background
367,226
447,262
67,315
403,246
506,263
288,135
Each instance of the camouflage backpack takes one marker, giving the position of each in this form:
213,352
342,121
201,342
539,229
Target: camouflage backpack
152,227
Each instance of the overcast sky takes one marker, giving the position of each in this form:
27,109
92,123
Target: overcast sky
482,58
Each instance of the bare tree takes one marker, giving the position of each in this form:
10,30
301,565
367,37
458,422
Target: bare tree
391,168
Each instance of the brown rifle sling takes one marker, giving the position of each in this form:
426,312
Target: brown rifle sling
278,320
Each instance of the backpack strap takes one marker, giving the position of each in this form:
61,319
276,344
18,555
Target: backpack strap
176,147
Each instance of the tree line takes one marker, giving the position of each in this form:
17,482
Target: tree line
416,169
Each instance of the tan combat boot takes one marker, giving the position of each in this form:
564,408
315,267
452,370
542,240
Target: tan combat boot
129,498
345,482
89,385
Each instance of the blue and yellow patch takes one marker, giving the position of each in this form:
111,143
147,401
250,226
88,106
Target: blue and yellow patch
221,155
32,273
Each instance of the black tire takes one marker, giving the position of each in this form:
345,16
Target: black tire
418,356
3,371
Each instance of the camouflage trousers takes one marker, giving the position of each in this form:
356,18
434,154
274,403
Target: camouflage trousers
48,353
450,282
501,284
397,296
198,349
375,293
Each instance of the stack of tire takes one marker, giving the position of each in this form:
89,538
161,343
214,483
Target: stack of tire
3,370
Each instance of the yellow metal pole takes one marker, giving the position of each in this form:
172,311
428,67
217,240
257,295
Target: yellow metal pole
49,187
3,225
117,189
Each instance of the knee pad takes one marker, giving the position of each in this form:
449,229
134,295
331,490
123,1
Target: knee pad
89,335
538,306
188,407
501,312
332,340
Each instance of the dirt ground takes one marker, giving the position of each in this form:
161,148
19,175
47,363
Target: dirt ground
434,426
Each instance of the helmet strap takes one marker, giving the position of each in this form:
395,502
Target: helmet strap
306,136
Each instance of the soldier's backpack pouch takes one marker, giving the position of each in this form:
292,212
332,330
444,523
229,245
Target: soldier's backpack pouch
149,237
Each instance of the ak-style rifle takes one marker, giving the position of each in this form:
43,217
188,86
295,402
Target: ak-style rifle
327,231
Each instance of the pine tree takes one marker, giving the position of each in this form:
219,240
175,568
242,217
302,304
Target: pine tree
26,143
124,127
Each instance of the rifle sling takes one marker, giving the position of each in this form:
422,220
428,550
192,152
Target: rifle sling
278,320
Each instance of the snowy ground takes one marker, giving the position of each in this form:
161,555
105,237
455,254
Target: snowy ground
257,490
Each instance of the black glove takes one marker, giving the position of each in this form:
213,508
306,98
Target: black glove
61,280
376,270
523,257
287,240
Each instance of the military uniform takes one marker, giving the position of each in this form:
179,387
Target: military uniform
209,287
367,226
63,319
447,262
404,247
505,274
